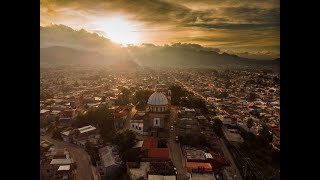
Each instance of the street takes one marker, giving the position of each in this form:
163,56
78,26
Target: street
175,150
230,158
79,155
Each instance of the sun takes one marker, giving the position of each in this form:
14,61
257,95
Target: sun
120,30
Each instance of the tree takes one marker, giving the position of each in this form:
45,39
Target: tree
124,140
56,134
228,84
92,151
217,127
141,106
252,96
130,155
76,84
103,99
177,92
124,97
265,137
223,94
250,123
142,96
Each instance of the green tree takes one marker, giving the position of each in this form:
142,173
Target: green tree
76,84
252,96
103,99
124,97
56,134
250,123
124,140
141,106
93,152
176,93
265,137
217,127
142,96
130,155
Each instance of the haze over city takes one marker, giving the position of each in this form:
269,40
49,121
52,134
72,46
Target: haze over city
159,89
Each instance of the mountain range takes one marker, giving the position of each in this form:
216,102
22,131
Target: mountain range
60,44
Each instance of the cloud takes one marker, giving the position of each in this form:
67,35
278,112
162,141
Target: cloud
262,55
61,35
226,24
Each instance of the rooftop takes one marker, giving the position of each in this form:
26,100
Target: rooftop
149,143
64,168
205,176
61,161
195,165
86,129
195,154
159,153
161,177
135,173
138,144
107,157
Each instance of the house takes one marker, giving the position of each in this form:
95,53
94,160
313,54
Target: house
110,102
187,126
136,123
64,172
199,167
161,177
120,116
65,121
110,162
137,170
83,134
232,135
150,150
54,115
44,113
187,113
57,164
68,114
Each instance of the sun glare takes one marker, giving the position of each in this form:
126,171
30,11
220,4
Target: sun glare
121,31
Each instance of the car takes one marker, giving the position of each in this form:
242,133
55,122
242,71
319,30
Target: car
171,127
177,138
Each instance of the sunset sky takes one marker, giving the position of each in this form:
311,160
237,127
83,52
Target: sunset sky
242,27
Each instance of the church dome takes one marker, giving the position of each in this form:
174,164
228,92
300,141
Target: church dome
157,99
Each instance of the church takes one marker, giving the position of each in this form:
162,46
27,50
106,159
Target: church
154,120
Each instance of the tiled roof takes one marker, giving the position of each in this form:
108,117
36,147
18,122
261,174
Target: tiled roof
149,143
158,153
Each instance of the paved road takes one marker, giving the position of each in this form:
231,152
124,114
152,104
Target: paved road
190,89
79,155
175,150
230,158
